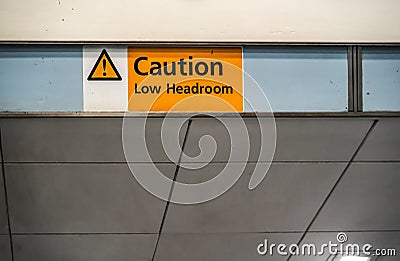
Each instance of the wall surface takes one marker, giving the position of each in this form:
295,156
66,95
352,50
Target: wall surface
66,192
201,20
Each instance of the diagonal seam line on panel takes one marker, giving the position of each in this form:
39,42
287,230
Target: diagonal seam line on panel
337,182
6,196
171,190
330,257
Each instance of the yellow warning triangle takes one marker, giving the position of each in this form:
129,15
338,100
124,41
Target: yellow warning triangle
104,69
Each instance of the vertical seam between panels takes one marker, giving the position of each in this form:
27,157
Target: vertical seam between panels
6,196
171,190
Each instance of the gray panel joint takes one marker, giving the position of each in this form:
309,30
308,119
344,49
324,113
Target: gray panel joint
354,58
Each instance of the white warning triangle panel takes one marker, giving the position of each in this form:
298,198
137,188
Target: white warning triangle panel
105,78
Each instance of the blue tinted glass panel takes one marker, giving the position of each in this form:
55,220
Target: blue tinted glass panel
381,79
41,78
300,79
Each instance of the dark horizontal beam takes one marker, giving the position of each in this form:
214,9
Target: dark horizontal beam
200,115
208,43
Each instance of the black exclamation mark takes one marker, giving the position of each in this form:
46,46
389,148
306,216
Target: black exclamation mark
104,67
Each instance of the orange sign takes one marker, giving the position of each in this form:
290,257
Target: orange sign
185,79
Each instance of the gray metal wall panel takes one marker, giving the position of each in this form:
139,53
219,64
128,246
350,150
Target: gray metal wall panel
84,247
285,201
62,140
3,209
75,198
366,198
383,143
310,139
223,246
74,140
5,248
319,139
98,197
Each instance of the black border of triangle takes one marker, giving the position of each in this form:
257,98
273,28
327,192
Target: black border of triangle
91,78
